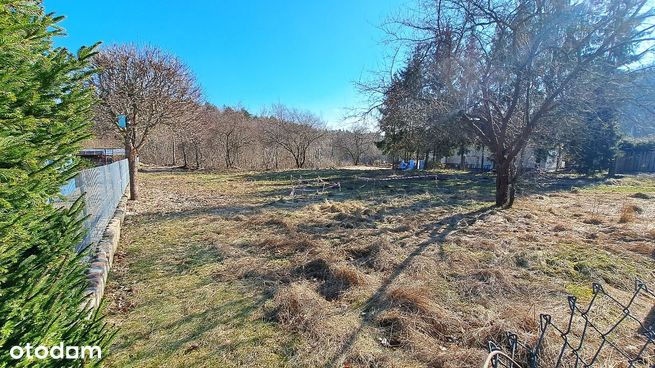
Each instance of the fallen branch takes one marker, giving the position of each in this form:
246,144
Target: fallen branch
415,177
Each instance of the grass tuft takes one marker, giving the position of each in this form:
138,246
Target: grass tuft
629,213
299,308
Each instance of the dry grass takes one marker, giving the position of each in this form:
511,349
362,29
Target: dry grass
289,244
650,234
629,213
299,308
229,270
640,195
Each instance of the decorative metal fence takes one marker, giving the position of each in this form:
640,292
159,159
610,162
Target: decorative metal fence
605,328
103,187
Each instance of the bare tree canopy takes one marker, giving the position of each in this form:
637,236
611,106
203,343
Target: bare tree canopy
356,143
504,68
231,128
149,87
294,131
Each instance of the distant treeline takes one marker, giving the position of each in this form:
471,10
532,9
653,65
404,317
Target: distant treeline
233,138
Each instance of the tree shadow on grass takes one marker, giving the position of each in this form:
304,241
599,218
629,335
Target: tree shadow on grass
233,314
436,236
373,185
649,322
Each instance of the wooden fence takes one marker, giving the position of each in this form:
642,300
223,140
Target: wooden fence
634,162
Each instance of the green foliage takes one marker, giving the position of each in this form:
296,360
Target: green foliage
595,147
637,145
412,119
45,106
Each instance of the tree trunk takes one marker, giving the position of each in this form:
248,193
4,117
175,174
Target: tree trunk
503,181
174,158
228,158
197,158
462,159
558,162
131,152
611,172
186,164
482,159
506,176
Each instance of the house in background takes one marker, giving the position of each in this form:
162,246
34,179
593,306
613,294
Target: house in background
102,151
481,158
102,156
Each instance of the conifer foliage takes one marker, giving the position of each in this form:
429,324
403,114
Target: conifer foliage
45,107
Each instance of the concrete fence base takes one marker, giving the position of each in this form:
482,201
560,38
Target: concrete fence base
102,257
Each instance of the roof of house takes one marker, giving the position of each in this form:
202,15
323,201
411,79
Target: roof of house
102,152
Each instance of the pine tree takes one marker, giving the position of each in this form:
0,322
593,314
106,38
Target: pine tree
45,107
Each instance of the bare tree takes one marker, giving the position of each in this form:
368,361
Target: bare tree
504,67
294,131
149,87
355,143
231,130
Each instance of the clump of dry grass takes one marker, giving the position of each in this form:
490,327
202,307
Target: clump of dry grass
410,299
651,234
337,284
381,256
401,228
529,237
348,275
336,279
413,319
629,213
495,324
348,214
360,358
559,228
342,207
291,244
642,248
640,195
593,220
459,358
317,269
299,308
282,224
487,282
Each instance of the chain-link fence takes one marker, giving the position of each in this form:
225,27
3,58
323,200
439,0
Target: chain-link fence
103,187
605,332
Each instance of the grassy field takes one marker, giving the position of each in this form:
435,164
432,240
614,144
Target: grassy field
291,269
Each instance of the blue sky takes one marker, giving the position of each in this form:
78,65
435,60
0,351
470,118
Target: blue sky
302,53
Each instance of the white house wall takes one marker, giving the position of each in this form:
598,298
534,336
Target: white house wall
527,159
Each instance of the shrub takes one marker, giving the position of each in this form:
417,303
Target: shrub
44,111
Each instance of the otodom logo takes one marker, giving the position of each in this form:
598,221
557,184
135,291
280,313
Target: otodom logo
59,352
